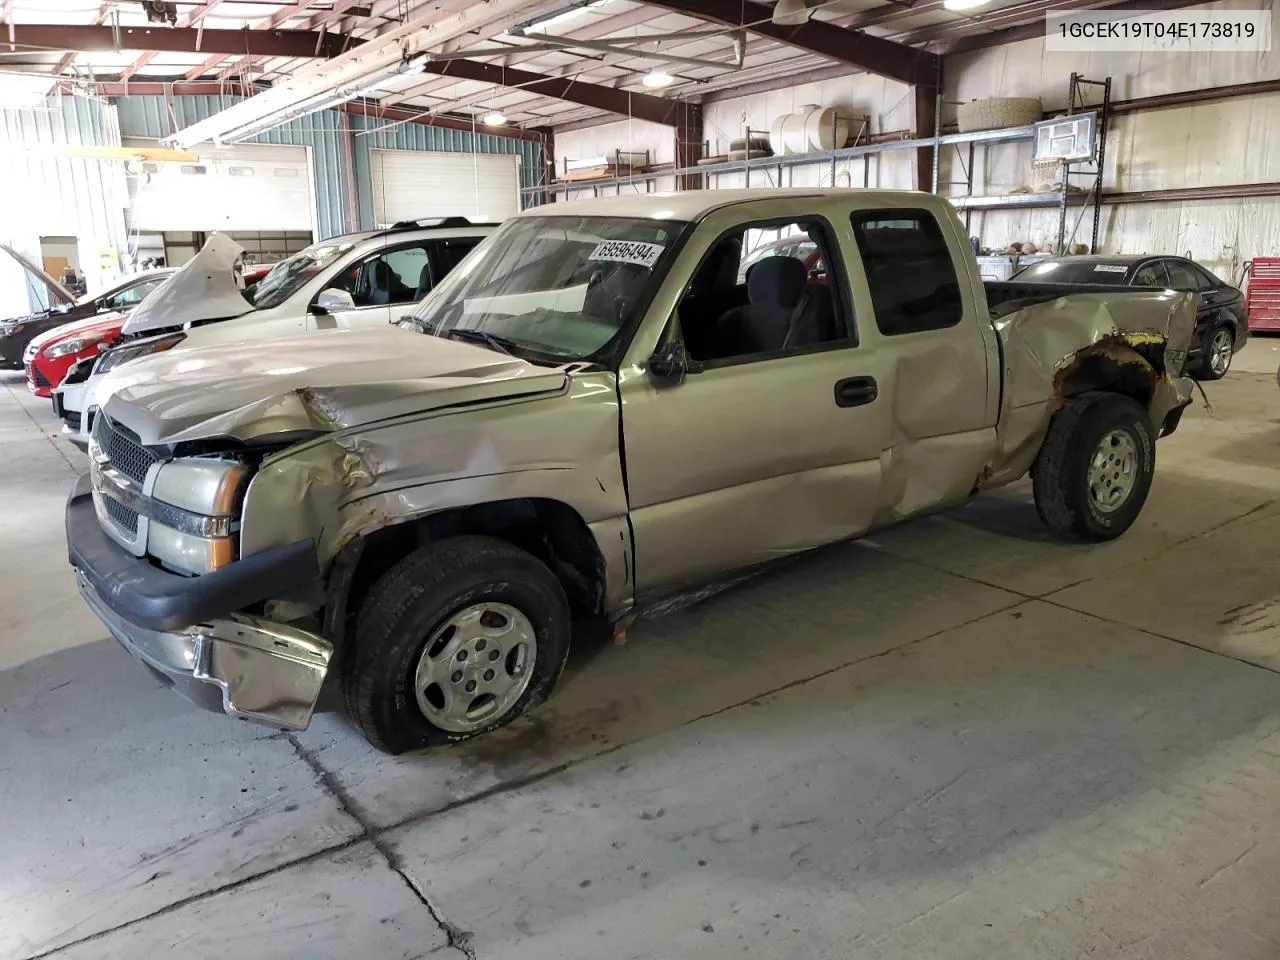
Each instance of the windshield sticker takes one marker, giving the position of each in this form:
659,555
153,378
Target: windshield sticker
624,251
1110,268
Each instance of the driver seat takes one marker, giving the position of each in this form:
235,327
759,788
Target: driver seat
783,312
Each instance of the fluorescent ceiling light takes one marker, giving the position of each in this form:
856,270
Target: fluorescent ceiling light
349,71
964,4
657,79
564,16
495,118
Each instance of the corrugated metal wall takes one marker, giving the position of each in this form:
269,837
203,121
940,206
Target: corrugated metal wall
325,133
321,132
417,136
51,195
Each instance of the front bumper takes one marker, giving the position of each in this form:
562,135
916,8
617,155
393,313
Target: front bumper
11,349
189,631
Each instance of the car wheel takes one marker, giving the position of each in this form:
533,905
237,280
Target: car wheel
1094,470
1219,347
457,639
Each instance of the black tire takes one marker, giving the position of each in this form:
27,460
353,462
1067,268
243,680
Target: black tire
1204,368
1060,478
410,602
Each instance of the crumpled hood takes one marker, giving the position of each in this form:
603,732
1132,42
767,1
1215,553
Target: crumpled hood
326,381
210,286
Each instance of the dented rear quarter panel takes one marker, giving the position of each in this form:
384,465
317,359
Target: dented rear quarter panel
1042,344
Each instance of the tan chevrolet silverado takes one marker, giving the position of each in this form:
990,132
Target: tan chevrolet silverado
607,404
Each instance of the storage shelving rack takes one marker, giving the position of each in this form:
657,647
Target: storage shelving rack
1060,198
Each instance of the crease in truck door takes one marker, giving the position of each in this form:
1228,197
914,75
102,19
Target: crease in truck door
931,325
771,444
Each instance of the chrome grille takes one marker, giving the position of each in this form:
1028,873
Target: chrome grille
122,450
121,515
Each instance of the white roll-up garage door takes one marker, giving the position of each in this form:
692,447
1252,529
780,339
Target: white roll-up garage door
246,187
416,185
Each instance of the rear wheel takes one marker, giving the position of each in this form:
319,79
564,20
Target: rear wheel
1095,468
457,639
1215,359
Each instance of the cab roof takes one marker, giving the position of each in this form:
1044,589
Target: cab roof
688,205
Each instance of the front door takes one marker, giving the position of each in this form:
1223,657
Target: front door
382,285
773,444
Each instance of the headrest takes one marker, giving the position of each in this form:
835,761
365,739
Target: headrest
776,282
720,270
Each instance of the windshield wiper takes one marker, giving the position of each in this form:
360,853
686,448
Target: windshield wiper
492,341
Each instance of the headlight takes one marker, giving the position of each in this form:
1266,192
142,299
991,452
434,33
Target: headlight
202,486
132,351
188,553
193,522
68,347
9,329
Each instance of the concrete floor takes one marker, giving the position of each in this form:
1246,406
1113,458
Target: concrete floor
960,739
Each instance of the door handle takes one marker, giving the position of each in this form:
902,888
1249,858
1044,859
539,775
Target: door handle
856,391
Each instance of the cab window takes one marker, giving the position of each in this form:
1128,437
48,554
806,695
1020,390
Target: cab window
910,271
761,292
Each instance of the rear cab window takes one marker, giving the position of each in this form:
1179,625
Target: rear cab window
910,271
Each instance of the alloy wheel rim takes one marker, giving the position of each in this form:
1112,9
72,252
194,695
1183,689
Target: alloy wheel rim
1113,471
1220,352
475,667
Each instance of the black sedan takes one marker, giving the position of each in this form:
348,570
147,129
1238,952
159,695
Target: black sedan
1221,328
16,333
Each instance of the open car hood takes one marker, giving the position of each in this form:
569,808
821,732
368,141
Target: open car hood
210,286
59,293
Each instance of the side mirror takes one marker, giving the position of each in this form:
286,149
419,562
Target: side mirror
333,299
671,361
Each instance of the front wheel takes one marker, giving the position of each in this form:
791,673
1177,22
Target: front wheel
1094,470
1219,348
457,639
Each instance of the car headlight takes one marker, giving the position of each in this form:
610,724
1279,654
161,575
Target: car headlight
9,329
132,351
68,347
193,517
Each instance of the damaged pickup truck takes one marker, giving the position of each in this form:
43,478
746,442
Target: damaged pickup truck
598,408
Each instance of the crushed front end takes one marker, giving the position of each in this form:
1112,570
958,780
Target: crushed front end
154,540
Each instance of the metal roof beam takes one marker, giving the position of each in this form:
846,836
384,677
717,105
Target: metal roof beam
641,106
896,61
94,39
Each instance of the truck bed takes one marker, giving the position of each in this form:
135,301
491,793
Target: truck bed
1005,296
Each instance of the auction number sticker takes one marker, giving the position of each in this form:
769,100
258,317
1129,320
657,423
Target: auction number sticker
1110,268
1173,31
626,251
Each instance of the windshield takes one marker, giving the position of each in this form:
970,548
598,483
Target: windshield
1068,271
289,276
555,287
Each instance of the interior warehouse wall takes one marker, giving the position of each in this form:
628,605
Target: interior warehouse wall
366,136
149,117
328,138
1225,142
1219,143
52,195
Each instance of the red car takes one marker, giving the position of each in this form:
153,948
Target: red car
49,356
